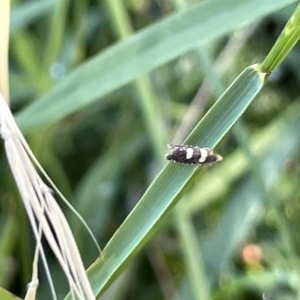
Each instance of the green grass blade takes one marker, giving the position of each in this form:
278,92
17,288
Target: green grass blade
246,207
285,43
225,174
56,33
27,12
164,191
88,199
5,295
127,60
228,109
148,100
191,252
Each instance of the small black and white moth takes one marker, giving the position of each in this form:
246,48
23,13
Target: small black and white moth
192,155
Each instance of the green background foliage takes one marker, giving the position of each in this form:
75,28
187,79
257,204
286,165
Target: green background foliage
100,88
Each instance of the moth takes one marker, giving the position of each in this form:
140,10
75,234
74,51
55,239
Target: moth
192,155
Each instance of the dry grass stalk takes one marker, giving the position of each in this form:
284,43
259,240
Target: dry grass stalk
46,217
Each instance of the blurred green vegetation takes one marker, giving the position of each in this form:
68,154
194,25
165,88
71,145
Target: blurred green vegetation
100,87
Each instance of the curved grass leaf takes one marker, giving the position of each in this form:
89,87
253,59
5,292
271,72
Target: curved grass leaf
5,295
284,44
25,13
164,191
246,207
127,60
88,192
197,281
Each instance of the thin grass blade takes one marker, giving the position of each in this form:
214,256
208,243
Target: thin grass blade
164,191
120,64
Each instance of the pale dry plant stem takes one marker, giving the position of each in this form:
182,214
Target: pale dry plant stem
44,214
33,285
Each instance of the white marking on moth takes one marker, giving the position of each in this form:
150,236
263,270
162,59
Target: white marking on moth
189,153
204,154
